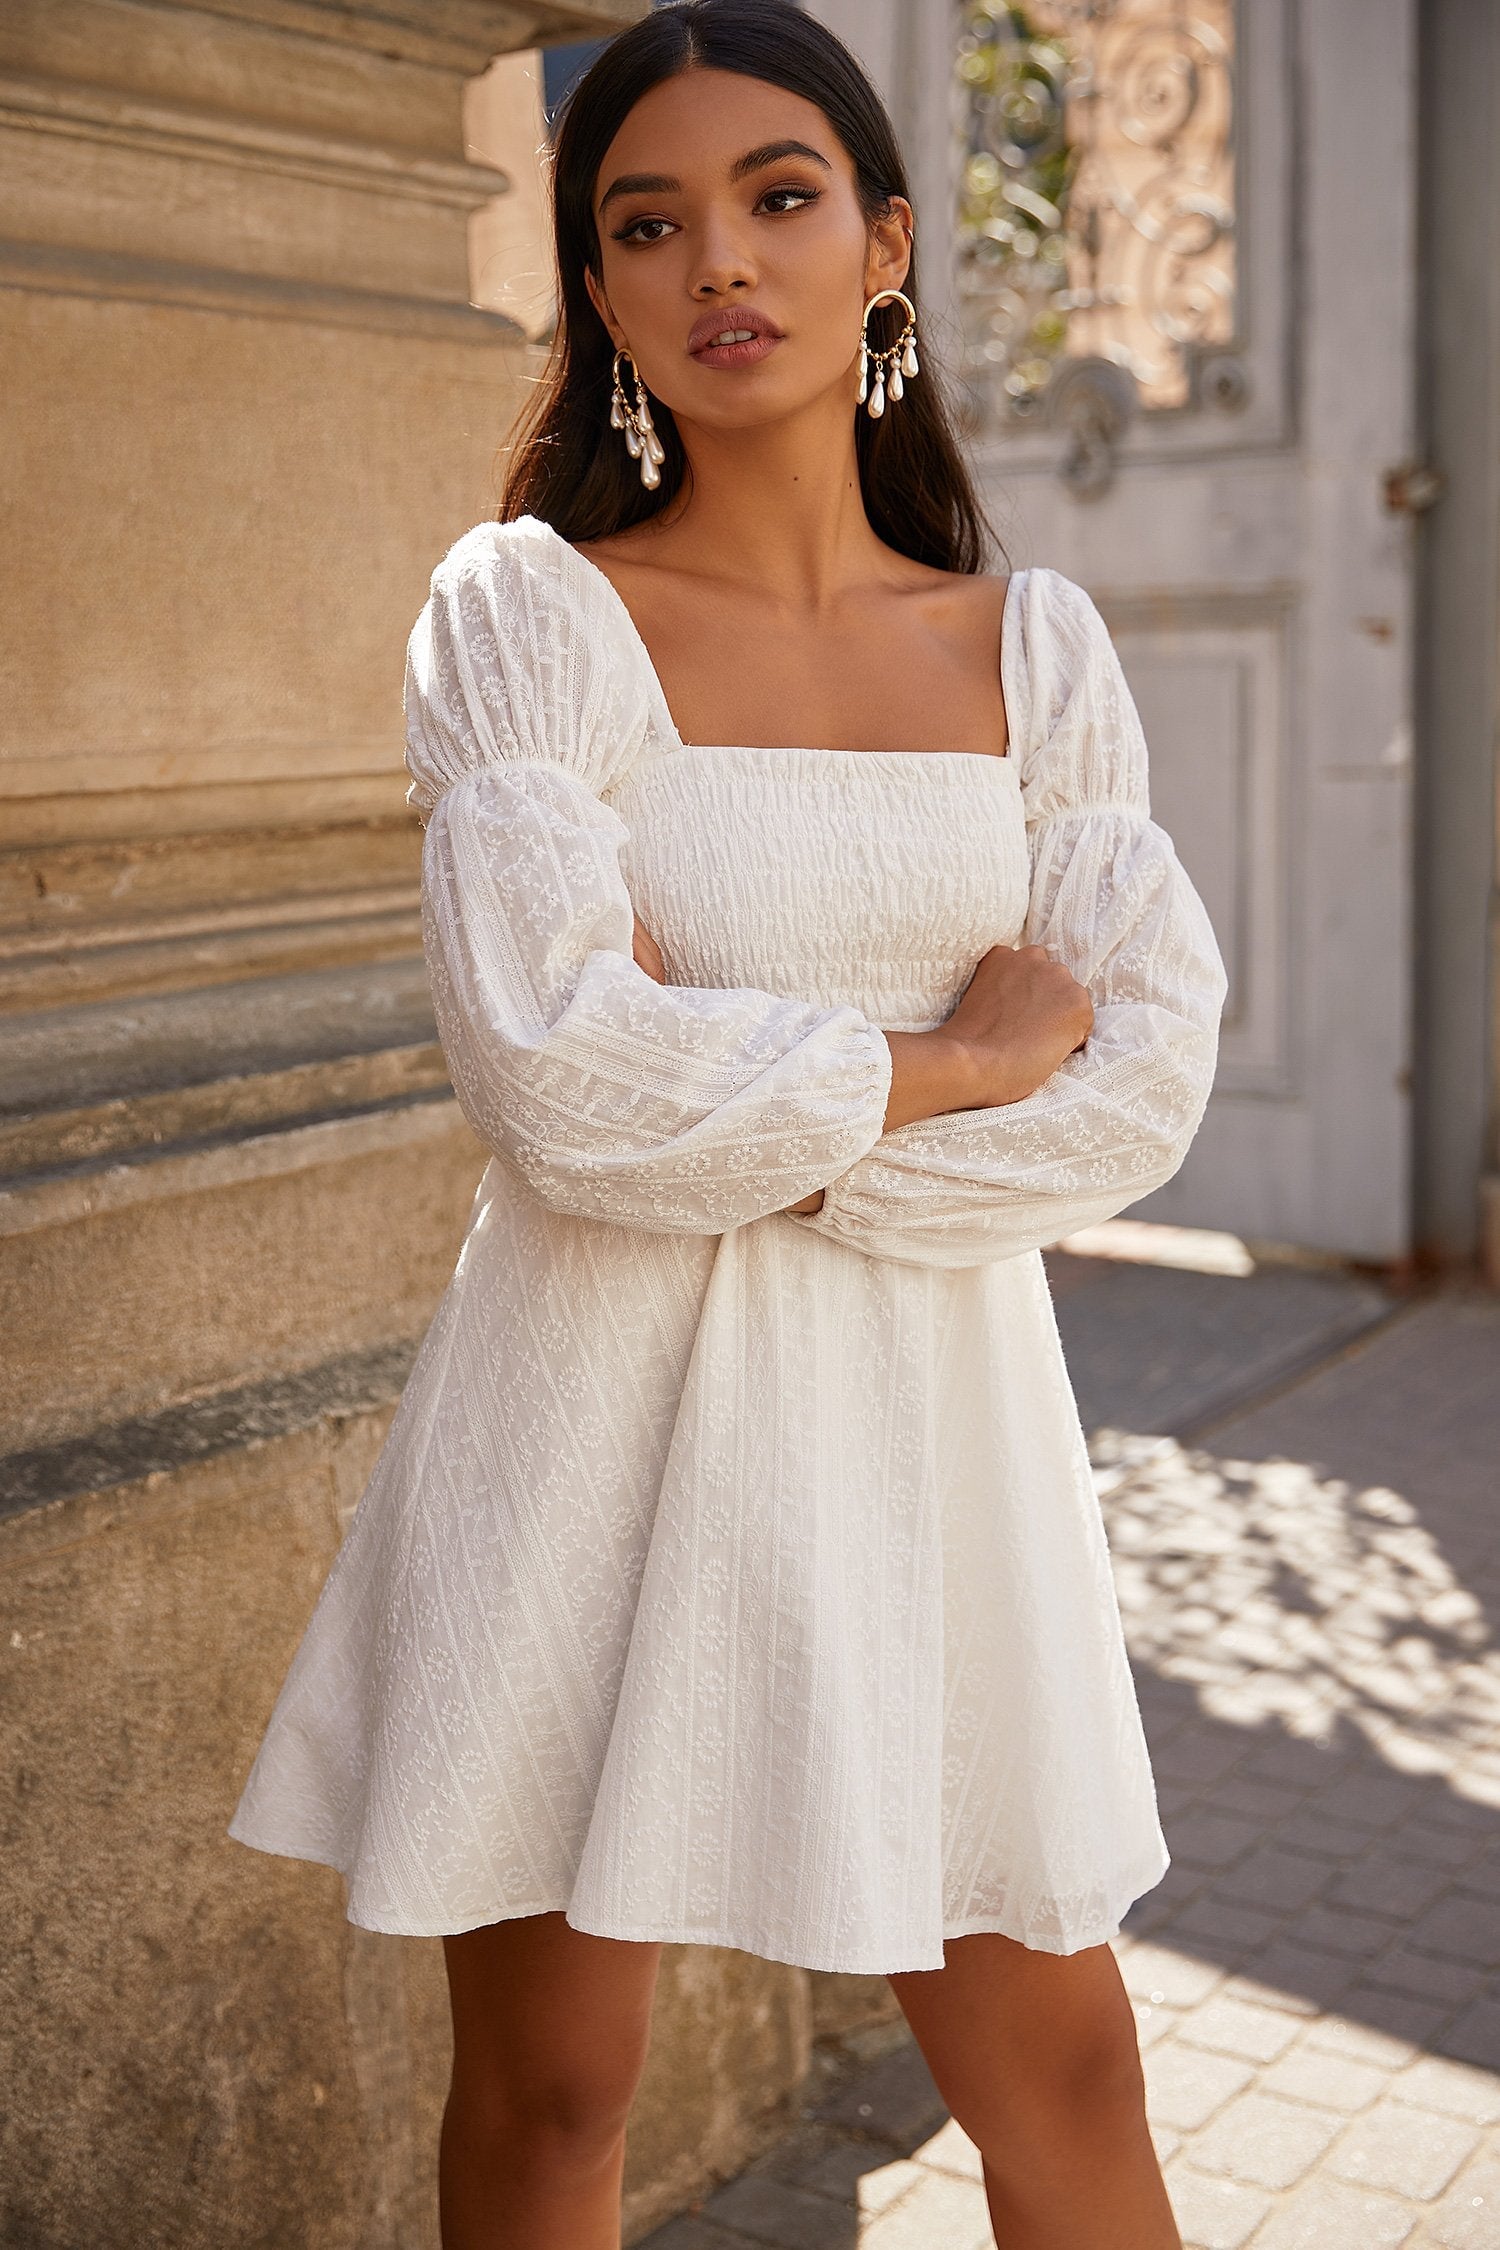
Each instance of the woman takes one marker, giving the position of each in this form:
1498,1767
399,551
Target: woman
806,957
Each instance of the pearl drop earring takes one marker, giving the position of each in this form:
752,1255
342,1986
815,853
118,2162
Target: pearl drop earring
641,440
892,361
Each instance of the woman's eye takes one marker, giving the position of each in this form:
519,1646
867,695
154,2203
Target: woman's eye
631,233
807,195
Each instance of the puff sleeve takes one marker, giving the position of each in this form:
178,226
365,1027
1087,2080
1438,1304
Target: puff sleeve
1108,892
669,1107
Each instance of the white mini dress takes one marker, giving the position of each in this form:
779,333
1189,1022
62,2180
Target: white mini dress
728,1575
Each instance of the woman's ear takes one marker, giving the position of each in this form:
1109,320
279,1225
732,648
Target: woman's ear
601,306
889,261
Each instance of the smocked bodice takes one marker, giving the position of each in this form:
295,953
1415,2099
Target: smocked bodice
869,878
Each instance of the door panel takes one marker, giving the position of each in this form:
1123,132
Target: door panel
1238,538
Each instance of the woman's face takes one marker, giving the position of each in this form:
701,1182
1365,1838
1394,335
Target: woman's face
681,236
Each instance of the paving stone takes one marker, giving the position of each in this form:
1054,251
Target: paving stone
1406,2151
1260,1994
691,2234
893,2100
804,2146
1311,1831
1204,1838
1485,1875
1360,2042
1269,1802
1227,1925
1272,1878
951,2150
1462,1925
1199,1753
1301,1981
1213,2213
769,2211
1401,2014
1449,1810
1326,2081
1381,1884
1186,2086
1158,1974
1266,2141
1428,1975
854,2173
1479,1780
1331,1929
1145,1915
1155,1348
1164,2140
1468,2217
1235,2027
1326,2215
941,2213
864,2179
1300,1766
1150,1916
1474,2037
1436,1846
1452,2089
1154,2024
1373,1798
1180,1883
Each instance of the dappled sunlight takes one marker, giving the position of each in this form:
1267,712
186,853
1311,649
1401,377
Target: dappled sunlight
1280,1594
1144,1242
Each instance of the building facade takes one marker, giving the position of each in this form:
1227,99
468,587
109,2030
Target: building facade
1221,299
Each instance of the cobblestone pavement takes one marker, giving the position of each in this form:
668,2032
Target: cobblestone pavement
1310,1587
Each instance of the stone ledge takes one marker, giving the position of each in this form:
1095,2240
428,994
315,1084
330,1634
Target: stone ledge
165,281
65,1198
461,34
65,1059
225,1422
71,110
172,1119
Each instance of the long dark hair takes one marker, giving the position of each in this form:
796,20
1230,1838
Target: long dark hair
917,491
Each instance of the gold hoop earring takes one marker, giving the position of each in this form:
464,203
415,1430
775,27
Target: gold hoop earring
641,440
893,361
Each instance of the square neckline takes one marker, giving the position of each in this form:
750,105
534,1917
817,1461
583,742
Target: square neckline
1003,758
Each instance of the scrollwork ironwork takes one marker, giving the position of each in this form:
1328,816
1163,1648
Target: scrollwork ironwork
1096,255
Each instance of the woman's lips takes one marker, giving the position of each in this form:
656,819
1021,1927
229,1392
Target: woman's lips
736,355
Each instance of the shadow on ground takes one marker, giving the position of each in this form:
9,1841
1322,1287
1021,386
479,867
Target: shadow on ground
1298,1472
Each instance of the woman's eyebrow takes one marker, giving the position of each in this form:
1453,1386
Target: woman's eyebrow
753,160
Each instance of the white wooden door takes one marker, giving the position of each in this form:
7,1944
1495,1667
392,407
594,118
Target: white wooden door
1174,250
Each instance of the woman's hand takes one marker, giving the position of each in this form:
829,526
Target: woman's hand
647,953
1021,1014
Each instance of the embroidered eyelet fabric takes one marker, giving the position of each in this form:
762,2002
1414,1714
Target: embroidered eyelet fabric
731,1575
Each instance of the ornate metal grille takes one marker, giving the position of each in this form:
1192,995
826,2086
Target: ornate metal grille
1095,225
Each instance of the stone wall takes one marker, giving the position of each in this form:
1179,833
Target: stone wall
248,404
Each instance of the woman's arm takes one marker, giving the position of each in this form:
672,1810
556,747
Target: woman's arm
1019,1016
1109,897
615,1096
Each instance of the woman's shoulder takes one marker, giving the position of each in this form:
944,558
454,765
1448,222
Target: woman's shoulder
495,547
517,587
515,658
